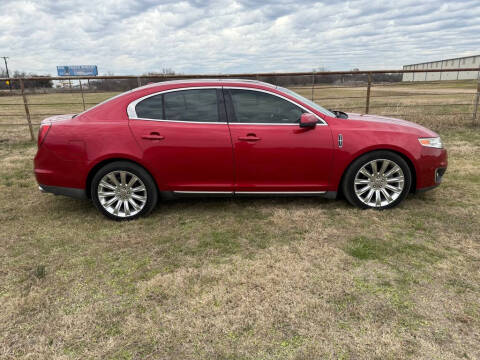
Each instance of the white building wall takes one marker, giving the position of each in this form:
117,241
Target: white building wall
407,76
465,62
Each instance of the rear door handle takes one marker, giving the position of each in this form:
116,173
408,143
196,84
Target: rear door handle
153,136
249,137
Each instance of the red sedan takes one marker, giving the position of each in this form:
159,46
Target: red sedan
230,138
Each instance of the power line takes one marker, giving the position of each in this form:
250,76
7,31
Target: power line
6,68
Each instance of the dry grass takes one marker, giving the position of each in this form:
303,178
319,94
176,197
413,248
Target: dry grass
12,111
439,106
242,279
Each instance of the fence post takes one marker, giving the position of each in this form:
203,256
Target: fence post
27,111
139,82
458,72
313,83
475,107
367,103
81,91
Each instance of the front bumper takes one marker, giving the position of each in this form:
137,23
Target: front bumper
432,165
65,191
439,175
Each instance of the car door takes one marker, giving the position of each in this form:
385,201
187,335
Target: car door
185,139
272,152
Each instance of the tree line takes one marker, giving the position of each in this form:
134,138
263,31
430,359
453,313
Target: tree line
29,84
167,74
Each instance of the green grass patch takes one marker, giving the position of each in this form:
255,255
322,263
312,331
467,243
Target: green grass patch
366,248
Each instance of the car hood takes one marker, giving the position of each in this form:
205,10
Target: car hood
377,120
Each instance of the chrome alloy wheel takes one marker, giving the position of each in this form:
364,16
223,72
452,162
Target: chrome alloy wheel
122,193
379,183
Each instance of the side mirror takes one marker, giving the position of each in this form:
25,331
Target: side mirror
308,120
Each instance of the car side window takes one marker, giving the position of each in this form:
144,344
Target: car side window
258,107
150,108
191,105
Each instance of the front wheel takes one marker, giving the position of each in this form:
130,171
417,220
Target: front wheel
123,191
377,180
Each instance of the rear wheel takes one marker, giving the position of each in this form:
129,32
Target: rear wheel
377,180
123,191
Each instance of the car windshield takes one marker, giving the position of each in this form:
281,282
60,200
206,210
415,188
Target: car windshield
308,102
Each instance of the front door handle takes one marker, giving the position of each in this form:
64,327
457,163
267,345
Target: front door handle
249,137
153,136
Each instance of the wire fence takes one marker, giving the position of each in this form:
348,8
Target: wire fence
438,104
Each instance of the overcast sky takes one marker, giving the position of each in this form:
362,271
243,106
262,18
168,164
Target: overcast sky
135,37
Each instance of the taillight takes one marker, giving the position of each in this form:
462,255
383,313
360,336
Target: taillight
42,133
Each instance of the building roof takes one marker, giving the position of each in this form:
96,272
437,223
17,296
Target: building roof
435,61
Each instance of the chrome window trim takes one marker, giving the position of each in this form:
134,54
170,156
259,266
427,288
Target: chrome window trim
180,121
323,123
132,114
270,124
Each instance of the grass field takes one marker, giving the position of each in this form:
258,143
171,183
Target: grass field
437,105
243,279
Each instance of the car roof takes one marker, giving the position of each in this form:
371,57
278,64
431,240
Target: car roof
207,80
163,84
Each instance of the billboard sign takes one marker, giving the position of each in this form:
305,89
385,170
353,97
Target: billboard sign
77,70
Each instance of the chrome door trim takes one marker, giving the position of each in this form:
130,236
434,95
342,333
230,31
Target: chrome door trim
203,192
250,192
279,192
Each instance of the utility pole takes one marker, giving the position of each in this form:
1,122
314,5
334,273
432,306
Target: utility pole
8,75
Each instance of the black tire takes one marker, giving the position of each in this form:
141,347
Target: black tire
348,186
150,192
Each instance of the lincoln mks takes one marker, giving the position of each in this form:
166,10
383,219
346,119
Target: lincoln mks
231,138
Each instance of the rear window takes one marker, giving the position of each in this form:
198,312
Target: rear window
150,108
191,105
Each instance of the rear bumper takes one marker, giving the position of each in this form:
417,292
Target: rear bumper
65,191
53,170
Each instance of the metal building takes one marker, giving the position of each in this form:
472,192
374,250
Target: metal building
457,63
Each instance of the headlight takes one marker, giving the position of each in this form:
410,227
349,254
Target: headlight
435,142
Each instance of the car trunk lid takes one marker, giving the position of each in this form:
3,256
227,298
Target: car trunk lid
57,118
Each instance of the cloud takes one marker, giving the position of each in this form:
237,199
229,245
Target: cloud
227,36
